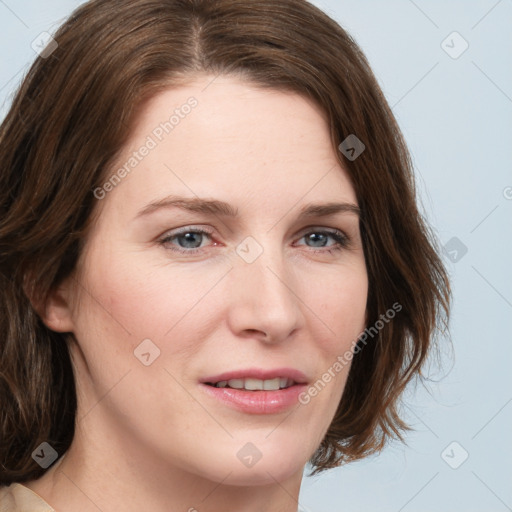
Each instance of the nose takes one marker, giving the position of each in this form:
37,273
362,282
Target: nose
264,301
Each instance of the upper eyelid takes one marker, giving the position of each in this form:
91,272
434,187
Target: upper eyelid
192,227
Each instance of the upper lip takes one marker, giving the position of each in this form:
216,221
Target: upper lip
258,373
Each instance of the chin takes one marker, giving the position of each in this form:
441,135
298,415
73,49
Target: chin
251,467
266,473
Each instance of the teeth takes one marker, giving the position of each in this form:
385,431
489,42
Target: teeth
256,384
236,383
272,384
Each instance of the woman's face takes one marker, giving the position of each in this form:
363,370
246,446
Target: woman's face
265,293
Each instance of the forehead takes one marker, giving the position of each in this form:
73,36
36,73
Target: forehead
229,139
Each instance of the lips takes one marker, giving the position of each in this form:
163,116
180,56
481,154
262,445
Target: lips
256,391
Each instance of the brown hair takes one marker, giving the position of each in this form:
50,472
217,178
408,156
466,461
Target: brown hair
67,124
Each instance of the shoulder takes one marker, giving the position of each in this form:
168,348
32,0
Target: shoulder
18,498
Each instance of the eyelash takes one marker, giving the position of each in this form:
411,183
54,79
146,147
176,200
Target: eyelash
342,240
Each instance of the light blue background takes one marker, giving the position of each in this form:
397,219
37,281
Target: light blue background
456,115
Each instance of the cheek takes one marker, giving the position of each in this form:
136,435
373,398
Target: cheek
339,301
131,299
340,304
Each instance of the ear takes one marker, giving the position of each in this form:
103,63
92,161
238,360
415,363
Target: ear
56,313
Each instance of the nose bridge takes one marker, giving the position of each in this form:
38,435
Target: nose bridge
262,290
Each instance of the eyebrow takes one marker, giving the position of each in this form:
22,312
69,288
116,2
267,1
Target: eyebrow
223,209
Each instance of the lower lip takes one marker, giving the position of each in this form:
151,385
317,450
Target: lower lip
257,402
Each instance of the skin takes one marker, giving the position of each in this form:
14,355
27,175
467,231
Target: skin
148,437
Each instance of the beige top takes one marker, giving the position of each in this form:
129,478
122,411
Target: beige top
18,498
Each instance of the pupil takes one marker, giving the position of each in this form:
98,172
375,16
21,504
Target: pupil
189,238
314,236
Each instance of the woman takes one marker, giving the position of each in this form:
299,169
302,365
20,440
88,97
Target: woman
213,267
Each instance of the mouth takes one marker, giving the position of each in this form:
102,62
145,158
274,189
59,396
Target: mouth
256,391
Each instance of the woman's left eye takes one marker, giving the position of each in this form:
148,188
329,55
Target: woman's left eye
190,240
341,240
